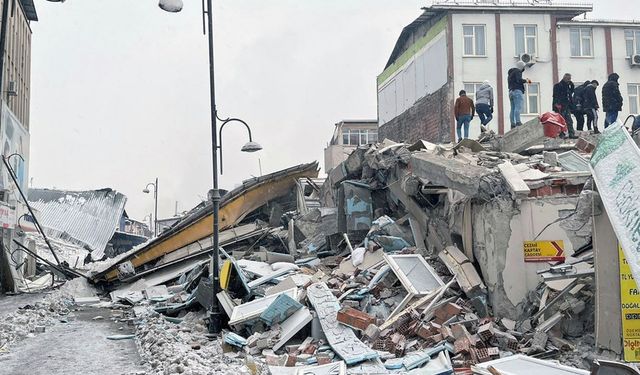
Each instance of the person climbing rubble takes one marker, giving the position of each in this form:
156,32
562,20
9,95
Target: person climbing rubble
590,106
562,101
484,104
611,99
464,110
516,92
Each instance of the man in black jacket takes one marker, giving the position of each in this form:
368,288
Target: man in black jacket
562,95
590,105
578,105
611,99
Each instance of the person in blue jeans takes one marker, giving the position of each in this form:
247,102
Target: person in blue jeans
484,104
463,110
516,93
611,99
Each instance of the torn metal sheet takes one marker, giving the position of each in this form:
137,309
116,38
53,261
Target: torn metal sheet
293,325
252,310
523,365
341,338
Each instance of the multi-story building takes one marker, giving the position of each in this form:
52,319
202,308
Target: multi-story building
16,85
347,135
457,45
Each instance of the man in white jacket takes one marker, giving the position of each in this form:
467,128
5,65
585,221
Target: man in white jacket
484,103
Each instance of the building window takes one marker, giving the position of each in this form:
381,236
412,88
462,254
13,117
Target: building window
581,42
474,40
632,38
471,88
634,97
531,99
357,137
526,39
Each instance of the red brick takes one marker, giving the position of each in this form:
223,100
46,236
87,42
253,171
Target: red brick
446,311
462,346
355,318
291,360
585,146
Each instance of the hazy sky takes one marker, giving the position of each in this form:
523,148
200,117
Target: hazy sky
120,88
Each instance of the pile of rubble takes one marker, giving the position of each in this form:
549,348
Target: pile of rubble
421,259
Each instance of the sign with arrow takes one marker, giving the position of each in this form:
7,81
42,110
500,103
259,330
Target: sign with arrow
544,251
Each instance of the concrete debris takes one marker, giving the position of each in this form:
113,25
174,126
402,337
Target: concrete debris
428,259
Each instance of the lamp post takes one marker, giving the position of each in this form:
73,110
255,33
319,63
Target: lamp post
174,6
155,198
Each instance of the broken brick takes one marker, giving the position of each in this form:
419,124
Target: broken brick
355,318
446,311
485,332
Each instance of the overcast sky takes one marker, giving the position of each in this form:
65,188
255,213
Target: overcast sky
120,88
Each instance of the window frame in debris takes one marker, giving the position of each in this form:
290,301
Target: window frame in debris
634,99
474,40
527,98
632,41
577,37
525,42
402,276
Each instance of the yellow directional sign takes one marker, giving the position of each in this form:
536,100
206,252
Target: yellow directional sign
630,306
543,251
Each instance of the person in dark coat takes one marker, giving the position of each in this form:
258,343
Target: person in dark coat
516,92
590,105
611,99
578,105
562,101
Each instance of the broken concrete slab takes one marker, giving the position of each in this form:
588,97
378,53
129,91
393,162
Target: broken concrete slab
518,187
468,278
522,137
472,180
341,338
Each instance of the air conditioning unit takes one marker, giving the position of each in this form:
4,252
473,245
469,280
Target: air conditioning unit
527,59
635,60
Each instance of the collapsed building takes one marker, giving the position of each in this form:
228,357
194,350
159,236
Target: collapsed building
483,257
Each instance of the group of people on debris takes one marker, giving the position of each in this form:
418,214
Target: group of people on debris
568,100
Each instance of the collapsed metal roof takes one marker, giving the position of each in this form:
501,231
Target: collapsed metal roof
87,218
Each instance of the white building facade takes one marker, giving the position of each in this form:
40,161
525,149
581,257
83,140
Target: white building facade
483,40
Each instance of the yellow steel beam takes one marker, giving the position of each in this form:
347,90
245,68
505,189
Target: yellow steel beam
230,214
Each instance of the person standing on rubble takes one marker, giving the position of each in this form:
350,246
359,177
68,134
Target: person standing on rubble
562,95
516,92
590,105
578,105
484,104
463,110
611,99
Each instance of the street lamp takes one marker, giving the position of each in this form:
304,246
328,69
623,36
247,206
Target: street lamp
174,6
250,146
155,197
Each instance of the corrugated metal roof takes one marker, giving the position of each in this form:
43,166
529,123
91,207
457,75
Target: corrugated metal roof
88,218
